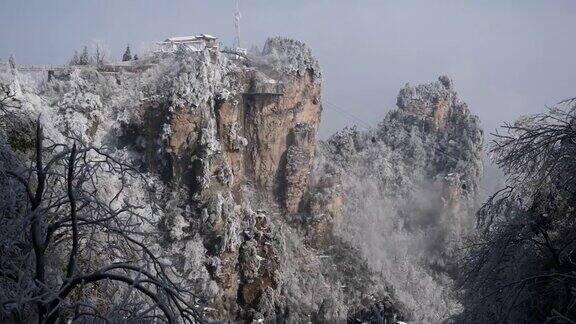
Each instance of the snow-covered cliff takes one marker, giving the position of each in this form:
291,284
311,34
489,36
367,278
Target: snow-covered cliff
409,189
264,221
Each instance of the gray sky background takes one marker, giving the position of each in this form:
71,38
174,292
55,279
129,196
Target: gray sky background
506,58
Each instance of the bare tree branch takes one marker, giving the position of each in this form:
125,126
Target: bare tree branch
99,233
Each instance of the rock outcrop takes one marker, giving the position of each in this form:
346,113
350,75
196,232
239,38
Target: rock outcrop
263,221
409,190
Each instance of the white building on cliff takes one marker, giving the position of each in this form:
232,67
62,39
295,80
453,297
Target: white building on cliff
190,43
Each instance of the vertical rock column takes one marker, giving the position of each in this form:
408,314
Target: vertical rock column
298,159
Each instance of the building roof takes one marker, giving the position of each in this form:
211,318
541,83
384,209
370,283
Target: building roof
181,39
206,36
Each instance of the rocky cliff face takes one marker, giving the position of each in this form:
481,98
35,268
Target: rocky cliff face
264,221
246,143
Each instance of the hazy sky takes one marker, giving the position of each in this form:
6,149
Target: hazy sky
506,57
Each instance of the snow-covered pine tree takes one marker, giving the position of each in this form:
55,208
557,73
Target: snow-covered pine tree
85,57
99,56
127,55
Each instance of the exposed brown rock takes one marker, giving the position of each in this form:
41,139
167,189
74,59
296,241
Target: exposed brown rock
298,161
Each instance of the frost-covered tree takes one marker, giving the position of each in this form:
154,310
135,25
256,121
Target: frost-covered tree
8,100
101,53
127,56
12,62
73,248
520,267
84,57
99,56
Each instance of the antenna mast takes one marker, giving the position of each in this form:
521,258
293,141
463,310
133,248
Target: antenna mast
237,16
